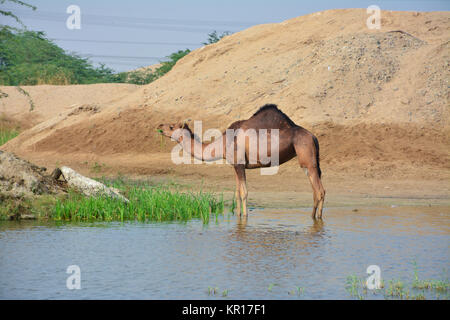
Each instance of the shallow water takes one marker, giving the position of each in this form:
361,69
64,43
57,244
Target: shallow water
181,260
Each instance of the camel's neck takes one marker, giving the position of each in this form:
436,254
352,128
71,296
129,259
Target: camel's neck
203,151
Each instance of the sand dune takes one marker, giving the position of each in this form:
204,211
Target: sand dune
378,100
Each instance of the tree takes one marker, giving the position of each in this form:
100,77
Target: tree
8,13
213,37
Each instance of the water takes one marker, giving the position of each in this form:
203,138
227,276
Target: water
180,261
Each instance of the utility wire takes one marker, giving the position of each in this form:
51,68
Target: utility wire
124,22
129,42
163,21
87,55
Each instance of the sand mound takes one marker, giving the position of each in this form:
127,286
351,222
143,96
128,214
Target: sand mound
30,105
375,98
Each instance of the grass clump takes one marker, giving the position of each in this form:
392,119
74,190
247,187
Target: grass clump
416,289
212,291
297,291
7,134
356,287
21,207
440,286
146,204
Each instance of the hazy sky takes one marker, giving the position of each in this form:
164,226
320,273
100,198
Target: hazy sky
128,34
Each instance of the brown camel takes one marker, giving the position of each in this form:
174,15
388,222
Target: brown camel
293,140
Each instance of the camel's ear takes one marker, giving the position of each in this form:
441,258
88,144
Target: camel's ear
185,123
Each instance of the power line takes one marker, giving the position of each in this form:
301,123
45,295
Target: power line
87,55
147,20
141,27
129,42
125,64
128,22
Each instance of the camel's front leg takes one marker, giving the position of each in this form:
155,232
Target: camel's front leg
244,195
237,194
240,174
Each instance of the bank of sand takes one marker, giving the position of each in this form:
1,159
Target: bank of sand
377,100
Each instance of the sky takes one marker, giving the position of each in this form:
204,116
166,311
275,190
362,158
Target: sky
126,35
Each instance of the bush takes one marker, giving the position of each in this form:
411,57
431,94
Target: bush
213,37
29,58
146,76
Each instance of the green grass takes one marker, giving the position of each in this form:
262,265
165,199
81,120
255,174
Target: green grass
7,134
157,203
297,291
212,291
149,201
270,287
417,289
356,287
97,167
37,207
440,286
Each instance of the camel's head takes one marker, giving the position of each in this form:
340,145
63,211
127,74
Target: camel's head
167,129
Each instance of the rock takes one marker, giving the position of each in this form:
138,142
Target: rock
25,216
88,186
19,177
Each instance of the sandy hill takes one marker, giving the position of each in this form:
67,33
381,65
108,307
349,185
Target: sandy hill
30,105
377,99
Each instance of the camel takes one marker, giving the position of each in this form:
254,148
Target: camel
293,140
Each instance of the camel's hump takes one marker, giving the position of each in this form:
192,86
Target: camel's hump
271,117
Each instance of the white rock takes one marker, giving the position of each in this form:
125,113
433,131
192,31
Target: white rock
88,186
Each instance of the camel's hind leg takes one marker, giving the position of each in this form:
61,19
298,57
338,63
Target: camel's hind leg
318,192
306,154
316,202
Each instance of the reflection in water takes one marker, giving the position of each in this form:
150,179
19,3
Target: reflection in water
272,250
317,227
242,255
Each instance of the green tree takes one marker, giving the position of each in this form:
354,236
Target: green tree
29,58
166,66
213,37
8,13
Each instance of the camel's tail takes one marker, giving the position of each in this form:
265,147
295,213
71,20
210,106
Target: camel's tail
316,143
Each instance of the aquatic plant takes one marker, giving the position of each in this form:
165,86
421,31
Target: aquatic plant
441,286
298,290
354,286
417,289
212,291
146,204
270,287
